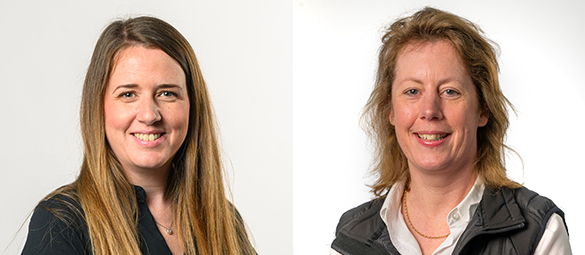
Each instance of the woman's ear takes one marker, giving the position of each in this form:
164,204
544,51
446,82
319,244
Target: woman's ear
391,115
484,116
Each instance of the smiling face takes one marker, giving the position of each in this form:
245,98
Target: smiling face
146,108
435,108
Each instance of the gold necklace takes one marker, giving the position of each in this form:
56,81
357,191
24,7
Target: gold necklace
412,226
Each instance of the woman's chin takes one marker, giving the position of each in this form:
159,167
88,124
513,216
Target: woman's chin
149,164
429,165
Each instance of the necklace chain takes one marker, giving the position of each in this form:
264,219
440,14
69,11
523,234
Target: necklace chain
412,226
169,230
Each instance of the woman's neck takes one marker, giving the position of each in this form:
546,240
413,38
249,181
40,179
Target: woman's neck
440,192
153,181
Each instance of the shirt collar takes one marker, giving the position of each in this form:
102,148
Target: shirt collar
457,219
140,193
464,210
391,207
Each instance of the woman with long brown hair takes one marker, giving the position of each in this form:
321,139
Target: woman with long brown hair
151,181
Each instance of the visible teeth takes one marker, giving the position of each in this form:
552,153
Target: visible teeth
147,137
433,137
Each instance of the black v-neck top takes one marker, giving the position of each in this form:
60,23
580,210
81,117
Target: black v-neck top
49,235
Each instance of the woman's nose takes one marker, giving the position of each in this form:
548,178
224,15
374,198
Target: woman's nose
148,112
431,107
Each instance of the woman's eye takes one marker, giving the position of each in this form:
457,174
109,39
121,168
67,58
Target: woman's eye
168,94
127,94
451,92
411,92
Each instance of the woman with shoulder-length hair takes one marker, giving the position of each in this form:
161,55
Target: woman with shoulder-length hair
151,181
438,119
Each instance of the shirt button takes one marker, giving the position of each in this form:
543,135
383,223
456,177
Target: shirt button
456,216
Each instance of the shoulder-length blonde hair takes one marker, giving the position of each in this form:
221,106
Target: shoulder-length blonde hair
479,57
206,222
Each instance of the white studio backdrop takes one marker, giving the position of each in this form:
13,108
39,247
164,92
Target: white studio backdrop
335,48
244,50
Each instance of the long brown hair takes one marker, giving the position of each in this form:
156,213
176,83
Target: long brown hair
479,58
206,222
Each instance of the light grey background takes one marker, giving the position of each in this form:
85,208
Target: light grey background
335,48
244,49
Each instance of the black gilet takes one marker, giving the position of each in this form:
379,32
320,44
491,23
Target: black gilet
510,221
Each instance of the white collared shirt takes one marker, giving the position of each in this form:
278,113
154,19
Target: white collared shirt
555,239
457,219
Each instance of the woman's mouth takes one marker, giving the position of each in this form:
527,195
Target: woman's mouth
432,137
147,137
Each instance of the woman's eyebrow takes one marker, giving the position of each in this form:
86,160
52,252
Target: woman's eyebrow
125,86
161,86
168,86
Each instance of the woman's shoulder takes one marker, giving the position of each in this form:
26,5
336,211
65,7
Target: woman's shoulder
532,207
531,201
536,205
57,226
62,206
361,228
374,204
360,214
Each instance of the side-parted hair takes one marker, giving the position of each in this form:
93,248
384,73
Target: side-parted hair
478,55
207,223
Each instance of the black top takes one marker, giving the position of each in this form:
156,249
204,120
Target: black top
49,235
510,221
